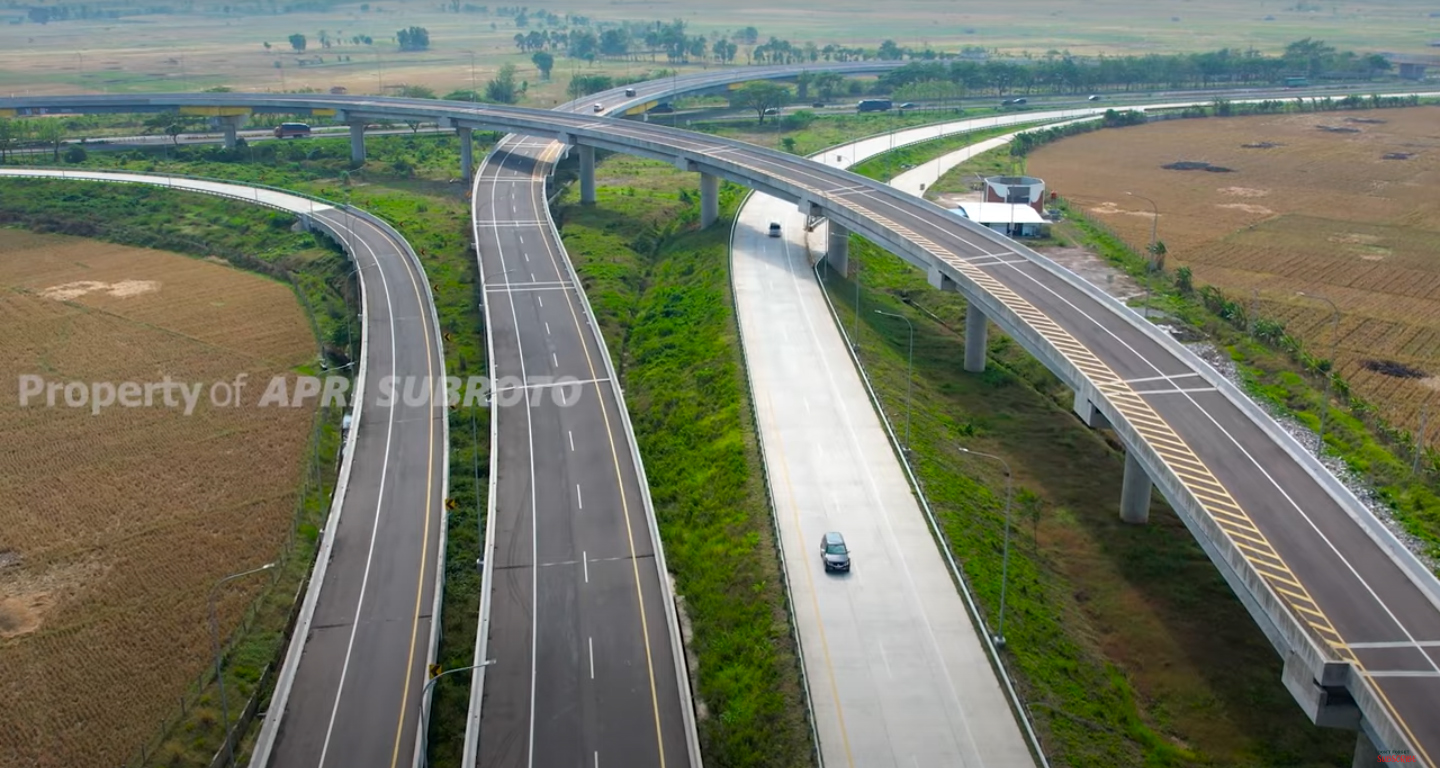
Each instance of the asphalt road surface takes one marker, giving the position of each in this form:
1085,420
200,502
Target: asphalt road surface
897,673
584,670
355,699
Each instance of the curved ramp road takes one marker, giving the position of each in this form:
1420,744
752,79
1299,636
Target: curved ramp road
348,691
1355,615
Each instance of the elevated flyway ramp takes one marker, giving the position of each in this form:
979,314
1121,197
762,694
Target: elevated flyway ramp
1354,614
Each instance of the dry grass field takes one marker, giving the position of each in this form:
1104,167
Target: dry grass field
113,527
211,47
1345,205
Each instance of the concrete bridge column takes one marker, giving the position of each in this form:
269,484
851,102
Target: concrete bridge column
1135,492
230,124
587,173
709,199
975,332
1365,751
357,142
467,153
837,254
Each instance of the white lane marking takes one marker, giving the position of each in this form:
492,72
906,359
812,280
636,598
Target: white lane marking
592,658
1170,377
597,758
527,258
579,500
547,327
1173,391
554,359
1400,673
806,401
541,301
522,239
374,528
874,494
1400,644
532,278
585,563
885,658
571,435
534,510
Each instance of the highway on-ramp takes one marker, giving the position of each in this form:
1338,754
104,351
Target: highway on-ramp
348,693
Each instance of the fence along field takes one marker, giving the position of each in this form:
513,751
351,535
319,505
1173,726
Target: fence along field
1342,204
113,527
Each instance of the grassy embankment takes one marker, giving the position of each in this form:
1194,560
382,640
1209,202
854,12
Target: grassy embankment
890,164
661,291
404,181
810,132
250,238
1128,645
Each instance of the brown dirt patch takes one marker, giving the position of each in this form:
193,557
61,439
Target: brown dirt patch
105,574
1338,220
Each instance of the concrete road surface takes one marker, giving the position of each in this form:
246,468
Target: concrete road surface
897,674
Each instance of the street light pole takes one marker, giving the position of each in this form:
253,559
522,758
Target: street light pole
424,741
1150,258
474,93
1330,374
909,375
215,647
999,636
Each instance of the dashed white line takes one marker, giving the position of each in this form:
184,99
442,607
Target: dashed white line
547,327
554,359
592,660
571,435
527,257
540,300
579,500
585,563
522,239
532,278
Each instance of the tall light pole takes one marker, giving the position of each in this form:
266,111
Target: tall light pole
1150,250
434,675
215,647
909,374
999,636
1330,374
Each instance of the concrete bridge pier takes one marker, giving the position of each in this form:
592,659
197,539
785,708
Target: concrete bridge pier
837,253
467,153
587,173
230,124
357,142
975,333
1135,492
709,199
1365,751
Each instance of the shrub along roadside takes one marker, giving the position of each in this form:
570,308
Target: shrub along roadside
661,293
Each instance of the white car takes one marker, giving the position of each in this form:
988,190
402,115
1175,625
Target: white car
774,229
599,107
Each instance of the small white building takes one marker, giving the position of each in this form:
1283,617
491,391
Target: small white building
1011,219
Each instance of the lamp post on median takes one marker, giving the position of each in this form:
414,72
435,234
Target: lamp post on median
436,675
1330,374
215,647
909,374
999,636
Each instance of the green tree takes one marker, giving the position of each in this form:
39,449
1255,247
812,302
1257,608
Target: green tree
543,62
297,41
52,132
415,92
502,89
1184,281
413,39
759,96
